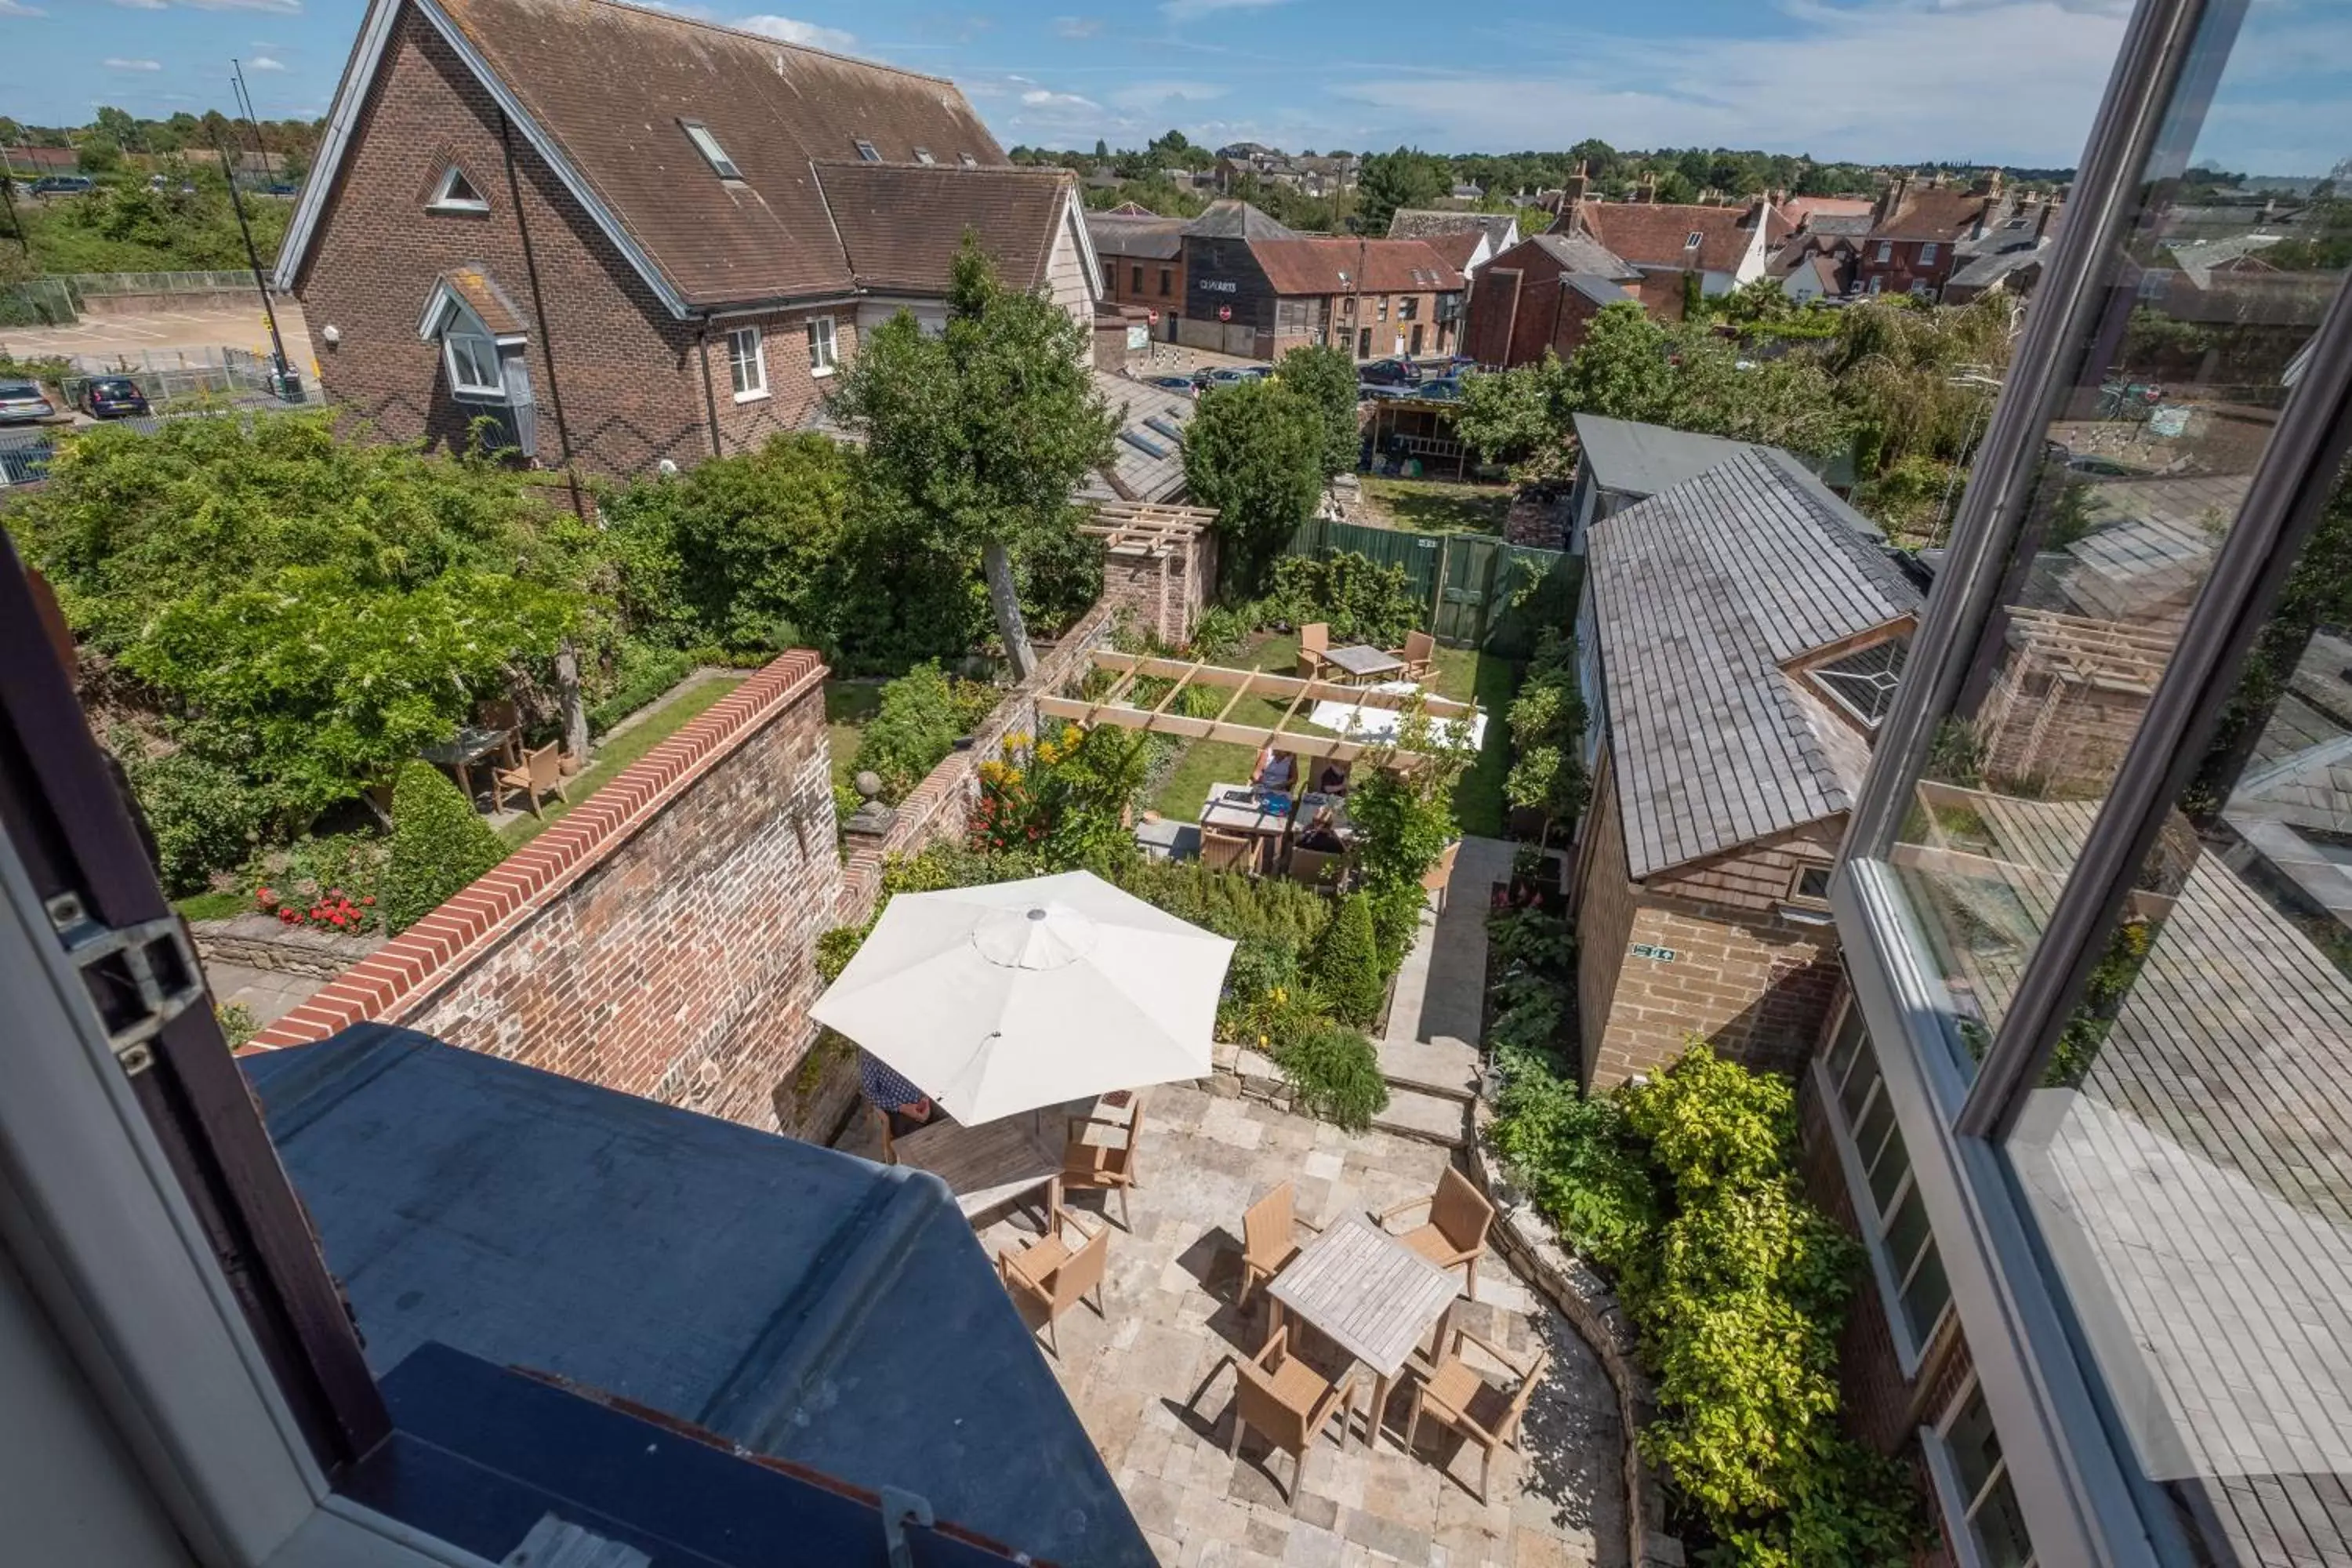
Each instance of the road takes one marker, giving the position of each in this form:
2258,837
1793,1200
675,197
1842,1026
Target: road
160,335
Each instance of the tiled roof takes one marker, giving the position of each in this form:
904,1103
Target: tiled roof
1806,210
1938,213
1231,219
1655,234
1147,414
1583,253
487,300
1335,266
901,223
1427,223
1702,592
1147,238
609,83
1458,249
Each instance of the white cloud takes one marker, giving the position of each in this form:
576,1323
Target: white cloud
1038,98
793,31
283,7
264,63
1185,10
19,8
1144,95
121,64
143,5
1849,82
1077,26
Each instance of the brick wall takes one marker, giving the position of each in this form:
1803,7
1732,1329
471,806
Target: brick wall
1604,910
1518,313
629,377
1163,591
658,939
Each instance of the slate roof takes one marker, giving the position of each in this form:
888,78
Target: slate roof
1599,290
1702,592
1336,266
1233,218
1145,238
1583,253
1146,413
1636,459
901,223
1656,234
806,1304
1428,223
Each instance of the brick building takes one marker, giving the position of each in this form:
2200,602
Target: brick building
1670,242
1542,294
1917,230
1142,256
1256,288
627,237
1739,644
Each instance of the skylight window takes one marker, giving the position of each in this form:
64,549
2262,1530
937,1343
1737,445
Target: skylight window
1695,241
866,151
923,156
1143,444
967,161
708,145
1166,427
456,194
1862,683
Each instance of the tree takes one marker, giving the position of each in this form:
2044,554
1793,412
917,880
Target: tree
1256,453
986,429
99,155
440,846
1345,964
1518,417
117,126
1404,178
1326,377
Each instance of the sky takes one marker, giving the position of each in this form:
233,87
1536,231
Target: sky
2012,81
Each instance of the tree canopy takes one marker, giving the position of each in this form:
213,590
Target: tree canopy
1255,452
1326,377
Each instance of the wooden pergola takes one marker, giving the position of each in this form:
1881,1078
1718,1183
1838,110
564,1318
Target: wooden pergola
1113,708
1144,528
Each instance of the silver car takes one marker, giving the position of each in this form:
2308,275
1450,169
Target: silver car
21,402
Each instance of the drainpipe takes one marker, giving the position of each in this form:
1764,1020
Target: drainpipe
539,313
709,396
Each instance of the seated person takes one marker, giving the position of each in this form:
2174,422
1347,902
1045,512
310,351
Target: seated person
1333,779
904,1106
1276,770
1322,836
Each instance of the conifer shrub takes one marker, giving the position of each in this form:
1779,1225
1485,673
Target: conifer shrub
440,845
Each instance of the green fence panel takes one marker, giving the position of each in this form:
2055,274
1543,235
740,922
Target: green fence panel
1477,590
1416,553
1534,591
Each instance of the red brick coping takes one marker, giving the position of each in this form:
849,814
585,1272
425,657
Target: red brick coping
389,984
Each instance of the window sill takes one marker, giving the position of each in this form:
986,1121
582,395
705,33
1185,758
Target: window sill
760,396
479,394
819,372
459,209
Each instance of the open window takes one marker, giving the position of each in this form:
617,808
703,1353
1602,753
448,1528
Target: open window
923,156
822,349
454,193
483,351
708,145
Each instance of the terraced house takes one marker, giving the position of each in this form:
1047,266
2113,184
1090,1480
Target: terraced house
628,237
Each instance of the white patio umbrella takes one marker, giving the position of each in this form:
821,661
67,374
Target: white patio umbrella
999,999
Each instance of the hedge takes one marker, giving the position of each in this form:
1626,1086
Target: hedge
440,845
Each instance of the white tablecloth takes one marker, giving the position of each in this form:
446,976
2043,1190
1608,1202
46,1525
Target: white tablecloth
1358,722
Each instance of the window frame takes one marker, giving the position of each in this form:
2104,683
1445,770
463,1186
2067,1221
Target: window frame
706,142
824,346
444,200
476,344
2082,1498
866,151
1927,253
1944,1476
755,357
1885,252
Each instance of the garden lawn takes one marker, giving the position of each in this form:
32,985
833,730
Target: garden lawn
848,704
1436,506
655,724
215,905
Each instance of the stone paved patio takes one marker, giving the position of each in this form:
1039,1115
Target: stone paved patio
1149,1382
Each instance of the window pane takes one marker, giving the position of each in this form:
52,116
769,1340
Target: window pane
2000,1528
1906,1233
1887,1174
2187,1154
1975,1446
1858,1085
2167,404
1849,1035
1924,1297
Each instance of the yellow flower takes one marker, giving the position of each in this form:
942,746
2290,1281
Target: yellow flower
1261,1042
1072,734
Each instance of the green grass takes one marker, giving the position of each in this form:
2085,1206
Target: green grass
214,906
658,724
1437,506
848,704
1478,799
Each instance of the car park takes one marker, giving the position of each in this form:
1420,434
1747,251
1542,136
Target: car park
112,397
23,403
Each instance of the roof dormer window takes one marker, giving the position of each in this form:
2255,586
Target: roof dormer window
923,156
456,194
708,145
866,151
967,161
1695,241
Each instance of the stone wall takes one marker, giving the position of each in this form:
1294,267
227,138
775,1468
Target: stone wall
658,939
1163,589
259,942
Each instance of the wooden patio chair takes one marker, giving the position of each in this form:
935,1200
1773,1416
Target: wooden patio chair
1440,875
1419,653
1288,1403
1269,1238
1314,642
1053,1276
1099,1167
1322,869
1227,851
1459,1397
1455,1232
540,773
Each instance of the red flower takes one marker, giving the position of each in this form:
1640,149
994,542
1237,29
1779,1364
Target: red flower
289,917
266,895
370,899
339,920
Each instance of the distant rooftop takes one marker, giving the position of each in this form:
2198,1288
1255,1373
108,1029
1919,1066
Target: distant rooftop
808,1305
1631,458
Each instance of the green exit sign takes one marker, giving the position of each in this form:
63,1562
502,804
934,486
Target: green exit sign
1662,954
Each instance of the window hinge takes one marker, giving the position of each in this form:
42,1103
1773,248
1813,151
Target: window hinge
140,976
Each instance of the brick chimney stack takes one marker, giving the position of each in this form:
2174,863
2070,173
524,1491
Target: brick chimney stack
1890,200
1579,185
1649,192
2049,215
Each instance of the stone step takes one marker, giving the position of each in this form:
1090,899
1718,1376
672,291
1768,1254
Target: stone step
1445,1067
1431,1118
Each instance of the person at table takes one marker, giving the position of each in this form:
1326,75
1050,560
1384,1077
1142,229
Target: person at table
1333,779
1276,771
1322,835
907,1108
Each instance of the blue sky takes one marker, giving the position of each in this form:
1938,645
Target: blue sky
2008,81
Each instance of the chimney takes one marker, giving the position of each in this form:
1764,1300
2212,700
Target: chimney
1890,201
1649,192
1579,183
1757,206
2041,224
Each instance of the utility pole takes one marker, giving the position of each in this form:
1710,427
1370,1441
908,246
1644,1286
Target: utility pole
253,256
245,101
8,199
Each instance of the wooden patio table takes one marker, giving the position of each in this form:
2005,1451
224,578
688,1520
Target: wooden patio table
1363,661
1370,1295
1002,1161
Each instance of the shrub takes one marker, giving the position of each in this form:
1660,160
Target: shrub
1231,903
1574,1156
1714,1126
205,817
439,846
335,882
1548,721
640,674
238,1024
1345,964
1360,599
1255,453
917,723
1335,1074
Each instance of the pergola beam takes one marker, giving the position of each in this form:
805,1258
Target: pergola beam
1267,684
1255,736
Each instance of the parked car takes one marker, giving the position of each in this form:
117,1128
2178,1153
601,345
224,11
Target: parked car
1223,375
1389,372
1439,388
1183,384
112,397
23,403
63,185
